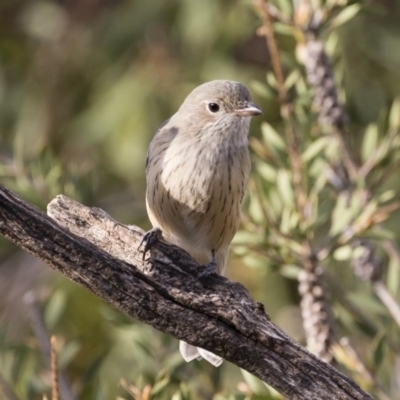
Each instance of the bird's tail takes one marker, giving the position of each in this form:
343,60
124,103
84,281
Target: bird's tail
190,353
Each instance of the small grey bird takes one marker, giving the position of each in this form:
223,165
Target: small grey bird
197,169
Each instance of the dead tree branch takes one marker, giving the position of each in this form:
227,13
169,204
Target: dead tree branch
98,253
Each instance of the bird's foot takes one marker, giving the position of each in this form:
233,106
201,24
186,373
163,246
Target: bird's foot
149,238
208,269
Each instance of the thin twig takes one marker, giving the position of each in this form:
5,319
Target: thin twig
276,14
267,217
392,250
375,157
318,325
388,171
342,296
361,368
387,299
348,159
286,108
55,394
39,327
273,50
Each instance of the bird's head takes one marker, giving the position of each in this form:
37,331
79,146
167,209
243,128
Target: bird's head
217,102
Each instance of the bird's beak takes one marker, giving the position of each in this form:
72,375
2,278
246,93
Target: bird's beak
249,110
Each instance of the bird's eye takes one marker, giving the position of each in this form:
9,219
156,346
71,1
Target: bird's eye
213,107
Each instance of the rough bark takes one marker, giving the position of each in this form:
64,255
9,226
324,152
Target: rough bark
100,254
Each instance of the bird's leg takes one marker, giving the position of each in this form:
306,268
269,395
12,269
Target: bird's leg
149,238
210,268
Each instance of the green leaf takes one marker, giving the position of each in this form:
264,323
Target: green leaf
331,44
285,220
293,245
358,252
393,276
267,171
255,211
394,116
343,253
387,195
274,203
346,15
370,141
255,261
379,234
271,137
367,303
341,215
315,148
262,90
317,167
284,29
247,237
285,187
289,220
378,349
319,185
255,384
302,90
344,317
292,78
54,309
68,353
333,150
185,392
271,80
159,386
285,6
177,396
290,271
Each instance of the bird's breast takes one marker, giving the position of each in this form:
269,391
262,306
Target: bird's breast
203,187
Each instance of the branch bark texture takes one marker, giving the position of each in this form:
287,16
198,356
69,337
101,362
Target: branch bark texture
100,254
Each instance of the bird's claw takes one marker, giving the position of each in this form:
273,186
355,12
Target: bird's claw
208,269
149,238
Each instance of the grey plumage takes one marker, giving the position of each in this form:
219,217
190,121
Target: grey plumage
197,170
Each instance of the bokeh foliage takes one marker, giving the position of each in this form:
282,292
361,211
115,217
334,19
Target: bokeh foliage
83,87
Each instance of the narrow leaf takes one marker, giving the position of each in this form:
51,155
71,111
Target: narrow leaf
315,148
346,15
271,137
370,141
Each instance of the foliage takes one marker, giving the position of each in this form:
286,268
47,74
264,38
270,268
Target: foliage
83,86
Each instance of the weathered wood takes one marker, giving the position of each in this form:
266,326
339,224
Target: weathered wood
214,313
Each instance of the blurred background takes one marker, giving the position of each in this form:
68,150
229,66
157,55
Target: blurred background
83,87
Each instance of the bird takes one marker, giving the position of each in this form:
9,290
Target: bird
197,169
